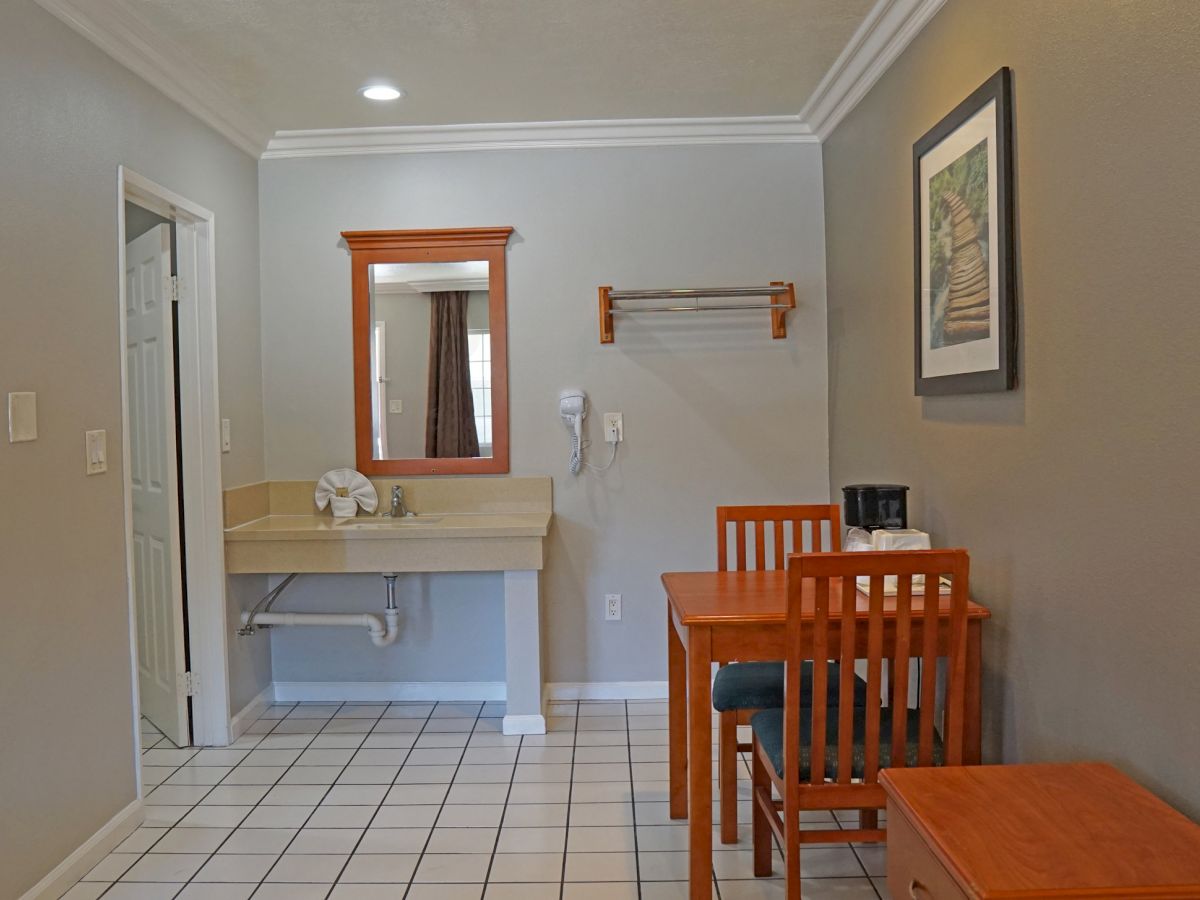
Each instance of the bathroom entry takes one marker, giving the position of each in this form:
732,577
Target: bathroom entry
152,398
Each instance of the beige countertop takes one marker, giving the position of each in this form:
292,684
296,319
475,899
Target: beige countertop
462,525
322,526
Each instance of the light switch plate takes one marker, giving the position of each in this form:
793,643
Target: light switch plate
95,445
22,417
226,444
396,406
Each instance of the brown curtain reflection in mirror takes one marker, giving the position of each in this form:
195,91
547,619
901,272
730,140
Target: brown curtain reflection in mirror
450,414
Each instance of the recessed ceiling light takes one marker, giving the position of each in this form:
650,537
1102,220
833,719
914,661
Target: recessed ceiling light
382,92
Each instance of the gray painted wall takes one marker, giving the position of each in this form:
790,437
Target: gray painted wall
715,411
1076,494
71,116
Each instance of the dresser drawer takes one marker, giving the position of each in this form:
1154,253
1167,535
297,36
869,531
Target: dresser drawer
913,872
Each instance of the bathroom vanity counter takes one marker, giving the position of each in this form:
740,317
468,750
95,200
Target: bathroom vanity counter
451,542
461,525
422,527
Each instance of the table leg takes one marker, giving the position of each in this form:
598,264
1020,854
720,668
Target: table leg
676,720
699,705
973,714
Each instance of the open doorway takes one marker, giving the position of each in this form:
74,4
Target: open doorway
173,525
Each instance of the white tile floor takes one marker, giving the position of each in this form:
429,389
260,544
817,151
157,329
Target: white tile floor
359,801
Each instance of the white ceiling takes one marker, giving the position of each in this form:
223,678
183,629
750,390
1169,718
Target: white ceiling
298,64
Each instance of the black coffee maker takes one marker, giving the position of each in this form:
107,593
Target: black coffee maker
873,506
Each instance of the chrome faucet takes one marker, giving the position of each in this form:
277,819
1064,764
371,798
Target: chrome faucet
398,507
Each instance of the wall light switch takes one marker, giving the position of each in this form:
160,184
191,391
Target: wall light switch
95,445
225,443
396,406
22,417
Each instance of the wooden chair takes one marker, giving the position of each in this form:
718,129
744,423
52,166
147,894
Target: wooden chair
742,688
829,757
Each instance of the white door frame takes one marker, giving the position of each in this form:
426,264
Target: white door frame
200,434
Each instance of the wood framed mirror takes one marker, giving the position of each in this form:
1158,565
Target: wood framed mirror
430,351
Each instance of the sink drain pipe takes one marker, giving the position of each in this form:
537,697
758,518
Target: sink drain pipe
382,632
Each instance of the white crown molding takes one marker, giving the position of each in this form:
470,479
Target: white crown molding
539,135
119,32
115,28
887,30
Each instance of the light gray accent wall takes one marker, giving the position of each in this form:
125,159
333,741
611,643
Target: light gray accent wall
425,651
1075,494
715,410
71,116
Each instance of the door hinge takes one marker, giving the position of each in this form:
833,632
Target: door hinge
174,288
188,684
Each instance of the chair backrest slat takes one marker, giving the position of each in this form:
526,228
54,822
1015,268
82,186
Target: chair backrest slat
820,686
899,669
929,655
742,518
956,687
823,625
846,656
874,667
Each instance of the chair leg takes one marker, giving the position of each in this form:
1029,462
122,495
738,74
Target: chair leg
868,818
727,761
761,828
791,849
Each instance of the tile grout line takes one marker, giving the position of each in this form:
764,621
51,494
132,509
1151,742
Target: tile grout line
504,812
442,806
289,768
562,881
191,806
383,801
637,857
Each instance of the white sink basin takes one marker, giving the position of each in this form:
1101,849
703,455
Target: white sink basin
387,522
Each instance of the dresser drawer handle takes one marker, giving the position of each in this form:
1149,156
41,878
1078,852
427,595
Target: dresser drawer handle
914,887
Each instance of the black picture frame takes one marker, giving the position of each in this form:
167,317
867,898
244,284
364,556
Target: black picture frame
997,89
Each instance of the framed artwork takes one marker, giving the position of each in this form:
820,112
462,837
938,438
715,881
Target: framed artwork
965,311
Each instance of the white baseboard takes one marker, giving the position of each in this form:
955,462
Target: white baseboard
94,849
606,690
251,711
378,691
364,691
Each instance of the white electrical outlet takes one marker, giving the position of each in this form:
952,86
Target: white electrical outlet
226,444
612,607
614,428
395,407
96,451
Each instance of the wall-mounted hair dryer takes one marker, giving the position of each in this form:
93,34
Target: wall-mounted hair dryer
572,406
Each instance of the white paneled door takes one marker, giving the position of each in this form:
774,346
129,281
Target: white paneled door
158,582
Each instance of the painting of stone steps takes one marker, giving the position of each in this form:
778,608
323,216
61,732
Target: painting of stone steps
965,336
958,223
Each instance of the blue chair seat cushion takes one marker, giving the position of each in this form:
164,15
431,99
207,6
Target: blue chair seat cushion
768,728
759,685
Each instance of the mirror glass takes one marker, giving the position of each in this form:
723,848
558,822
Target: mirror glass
431,361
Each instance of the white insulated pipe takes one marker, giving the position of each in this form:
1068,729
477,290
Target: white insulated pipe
381,635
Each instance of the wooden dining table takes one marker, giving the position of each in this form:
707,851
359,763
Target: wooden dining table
717,617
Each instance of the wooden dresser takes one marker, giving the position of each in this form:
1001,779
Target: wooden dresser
1077,831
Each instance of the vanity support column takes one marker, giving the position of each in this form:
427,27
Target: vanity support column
523,654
